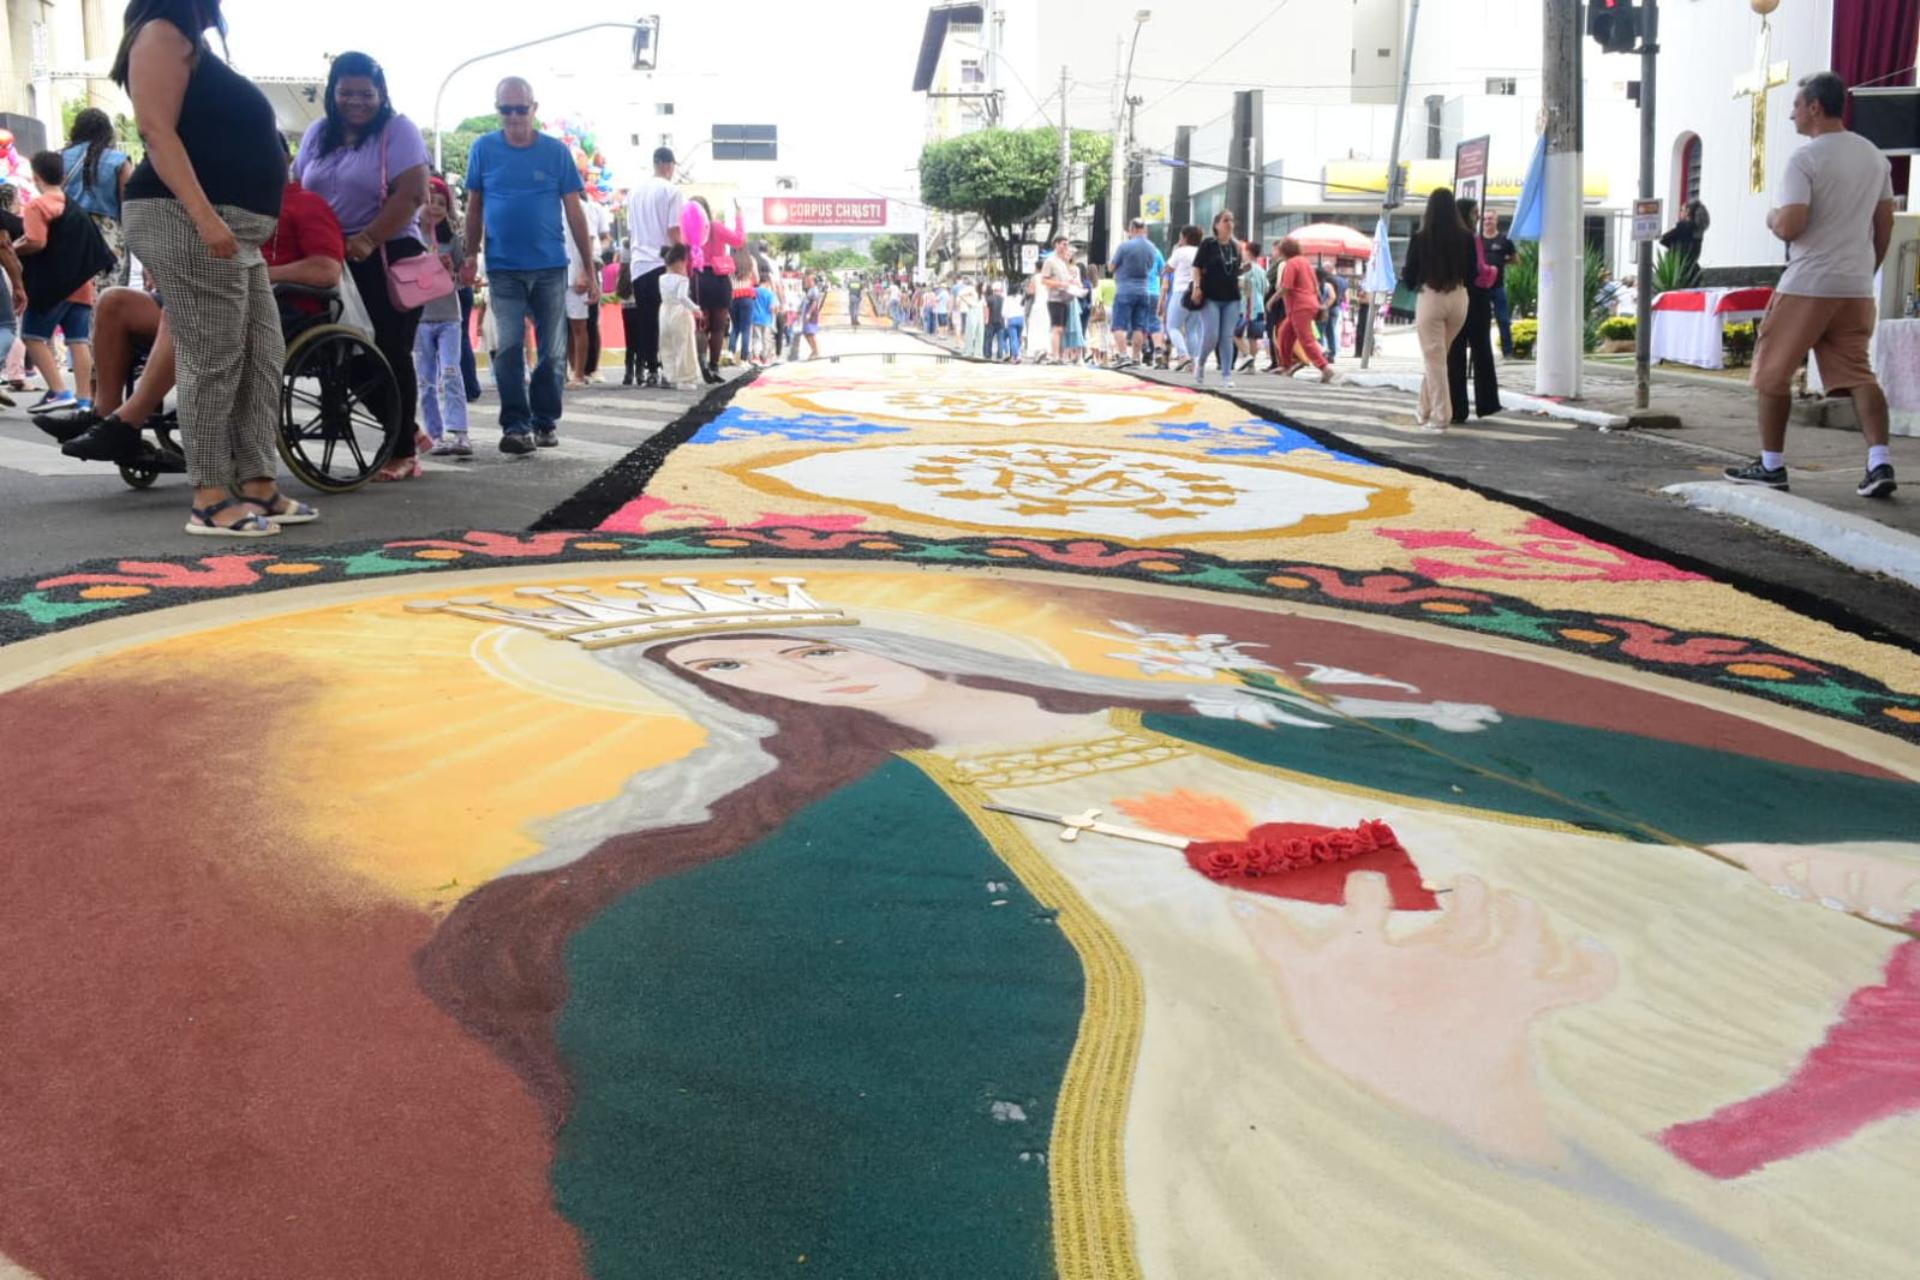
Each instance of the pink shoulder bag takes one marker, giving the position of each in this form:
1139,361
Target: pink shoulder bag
411,282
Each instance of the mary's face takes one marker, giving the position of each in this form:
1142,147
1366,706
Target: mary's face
814,671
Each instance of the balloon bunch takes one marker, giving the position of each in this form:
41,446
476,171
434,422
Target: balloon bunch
14,167
587,158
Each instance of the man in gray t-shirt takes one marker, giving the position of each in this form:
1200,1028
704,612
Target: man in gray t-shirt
1834,210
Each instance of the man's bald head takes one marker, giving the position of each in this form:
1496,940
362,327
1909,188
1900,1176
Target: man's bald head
515,85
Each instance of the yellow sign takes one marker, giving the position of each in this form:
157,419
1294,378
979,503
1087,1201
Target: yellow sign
1366,179
1153,208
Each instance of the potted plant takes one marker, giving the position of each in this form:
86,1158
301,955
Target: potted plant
1526,334
1617,334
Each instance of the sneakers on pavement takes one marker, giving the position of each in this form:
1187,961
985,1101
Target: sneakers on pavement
1758,473
517,442
1879,482
65,400
548,439
453,445
107,440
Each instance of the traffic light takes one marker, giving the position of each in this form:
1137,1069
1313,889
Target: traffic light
1615,24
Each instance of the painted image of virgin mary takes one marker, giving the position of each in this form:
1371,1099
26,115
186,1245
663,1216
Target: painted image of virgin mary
811,995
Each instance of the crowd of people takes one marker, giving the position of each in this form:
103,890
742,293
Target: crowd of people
1213,297
170,266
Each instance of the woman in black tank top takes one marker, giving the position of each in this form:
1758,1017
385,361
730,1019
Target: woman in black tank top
197,211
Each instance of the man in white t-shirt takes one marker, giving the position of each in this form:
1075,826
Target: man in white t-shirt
653,224
1835,211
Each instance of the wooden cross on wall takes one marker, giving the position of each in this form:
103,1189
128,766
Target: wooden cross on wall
1755,85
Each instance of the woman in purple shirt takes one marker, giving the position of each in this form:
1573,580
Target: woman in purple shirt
343,160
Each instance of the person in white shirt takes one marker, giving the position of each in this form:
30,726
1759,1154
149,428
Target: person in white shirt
679,352
1835,212
1176,318
653,225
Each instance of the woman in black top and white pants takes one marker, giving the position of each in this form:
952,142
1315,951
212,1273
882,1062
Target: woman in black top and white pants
1440,263
197,211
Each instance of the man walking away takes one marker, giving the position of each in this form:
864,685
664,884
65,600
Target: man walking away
523,208
1835,211
1499,251
653,224
855,286
1135,261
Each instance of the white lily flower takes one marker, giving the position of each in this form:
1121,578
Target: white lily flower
1317,674
1454,717
1251,710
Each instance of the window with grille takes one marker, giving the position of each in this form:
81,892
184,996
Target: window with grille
1502,86
971,72
1690,170
746,142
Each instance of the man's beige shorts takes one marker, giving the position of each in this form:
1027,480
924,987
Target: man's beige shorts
1837,331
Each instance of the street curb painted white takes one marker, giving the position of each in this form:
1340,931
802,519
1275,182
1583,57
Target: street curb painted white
1854,541
1513,400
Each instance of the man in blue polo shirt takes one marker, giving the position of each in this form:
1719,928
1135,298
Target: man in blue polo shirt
1136,273
523,202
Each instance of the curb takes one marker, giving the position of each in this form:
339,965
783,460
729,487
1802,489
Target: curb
1513,400
1855,541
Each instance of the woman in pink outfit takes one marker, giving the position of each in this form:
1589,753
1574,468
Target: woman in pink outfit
712,243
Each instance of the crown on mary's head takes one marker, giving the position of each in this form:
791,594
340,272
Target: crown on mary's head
650,613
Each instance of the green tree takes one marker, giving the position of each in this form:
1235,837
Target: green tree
1010,179
836,260
794,243
891,251
460,140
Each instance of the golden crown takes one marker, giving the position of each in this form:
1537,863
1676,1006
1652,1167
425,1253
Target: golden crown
597,621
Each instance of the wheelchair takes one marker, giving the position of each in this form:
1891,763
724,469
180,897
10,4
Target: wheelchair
340,418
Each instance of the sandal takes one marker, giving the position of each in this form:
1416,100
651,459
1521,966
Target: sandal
397,470
201,523
295,512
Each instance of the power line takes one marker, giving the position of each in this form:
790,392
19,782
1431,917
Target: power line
1244,36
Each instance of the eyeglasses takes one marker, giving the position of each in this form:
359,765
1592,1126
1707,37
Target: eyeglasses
513,109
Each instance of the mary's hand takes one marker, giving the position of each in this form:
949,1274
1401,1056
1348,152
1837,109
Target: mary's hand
1436,1022
1876,885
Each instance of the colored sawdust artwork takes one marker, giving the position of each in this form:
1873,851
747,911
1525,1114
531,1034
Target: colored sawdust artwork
668,917
958,822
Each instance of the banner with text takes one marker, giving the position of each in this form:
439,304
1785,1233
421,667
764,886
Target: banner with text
798,212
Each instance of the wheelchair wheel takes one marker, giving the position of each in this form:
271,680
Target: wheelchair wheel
340,409
138,476
155,460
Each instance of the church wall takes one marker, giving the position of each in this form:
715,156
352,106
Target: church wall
1705,46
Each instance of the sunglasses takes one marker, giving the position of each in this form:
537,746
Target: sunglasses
513,109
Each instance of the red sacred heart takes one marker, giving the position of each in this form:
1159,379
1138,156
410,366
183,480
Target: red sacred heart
1309,863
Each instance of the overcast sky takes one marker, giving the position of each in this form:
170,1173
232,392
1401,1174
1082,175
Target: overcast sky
840,70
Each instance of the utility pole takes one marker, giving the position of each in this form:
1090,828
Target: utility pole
1391,199
1560,346
1063,192
1643,309
1118,215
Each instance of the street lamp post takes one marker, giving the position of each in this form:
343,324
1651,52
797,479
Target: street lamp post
1122,144
649,26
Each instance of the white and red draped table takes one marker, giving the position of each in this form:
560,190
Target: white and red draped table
1689,325
1896,363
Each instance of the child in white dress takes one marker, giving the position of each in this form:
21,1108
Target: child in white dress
679,355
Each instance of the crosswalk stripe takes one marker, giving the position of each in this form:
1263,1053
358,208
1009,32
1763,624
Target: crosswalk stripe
45,459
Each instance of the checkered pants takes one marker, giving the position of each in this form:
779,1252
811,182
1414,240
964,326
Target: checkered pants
226,333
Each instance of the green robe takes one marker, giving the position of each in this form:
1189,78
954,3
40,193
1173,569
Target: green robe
844,1042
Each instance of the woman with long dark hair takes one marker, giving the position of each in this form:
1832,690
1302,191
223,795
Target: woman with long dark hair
712,243
1688,235
370,164
97,173
1476,339
1440,263
197,211
1216,277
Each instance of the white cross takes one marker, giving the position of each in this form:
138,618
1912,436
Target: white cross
1755,84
